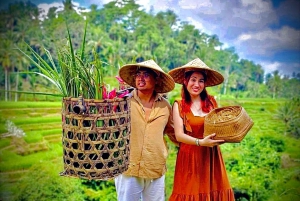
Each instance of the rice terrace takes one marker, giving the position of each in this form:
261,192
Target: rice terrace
71,54
267,161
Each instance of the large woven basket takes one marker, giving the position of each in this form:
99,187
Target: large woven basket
95,137
230,123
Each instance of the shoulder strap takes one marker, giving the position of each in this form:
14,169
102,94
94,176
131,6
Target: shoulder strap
213,101
186,124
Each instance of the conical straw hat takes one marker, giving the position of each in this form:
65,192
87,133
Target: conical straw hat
164,84
213,77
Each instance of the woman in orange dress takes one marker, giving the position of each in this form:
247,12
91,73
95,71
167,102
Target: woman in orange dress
200,173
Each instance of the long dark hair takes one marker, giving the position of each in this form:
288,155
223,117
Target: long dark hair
206,104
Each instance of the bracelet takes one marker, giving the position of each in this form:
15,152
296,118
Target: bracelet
197,142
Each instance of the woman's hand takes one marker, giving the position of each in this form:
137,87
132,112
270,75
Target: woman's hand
208,141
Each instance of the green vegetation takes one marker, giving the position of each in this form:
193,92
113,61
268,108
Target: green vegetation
73,76
42,183
73,47
264,166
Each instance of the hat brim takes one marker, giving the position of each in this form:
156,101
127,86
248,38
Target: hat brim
165,81
213,77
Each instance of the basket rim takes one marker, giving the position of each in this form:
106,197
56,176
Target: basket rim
96,100
226,121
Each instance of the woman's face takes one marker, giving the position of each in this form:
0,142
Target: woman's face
195,84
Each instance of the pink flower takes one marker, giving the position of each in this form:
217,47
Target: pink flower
104,92
112,94
120,80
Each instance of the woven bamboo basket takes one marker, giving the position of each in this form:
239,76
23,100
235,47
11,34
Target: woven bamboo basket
230,123
95,137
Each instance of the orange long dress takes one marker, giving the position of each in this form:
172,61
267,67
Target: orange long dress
200,173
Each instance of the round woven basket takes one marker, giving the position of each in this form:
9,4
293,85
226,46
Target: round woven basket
230,123
95,137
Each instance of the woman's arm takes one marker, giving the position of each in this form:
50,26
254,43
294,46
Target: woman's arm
182,137
169,129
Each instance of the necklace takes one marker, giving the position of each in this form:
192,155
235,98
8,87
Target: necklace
195,107
197,110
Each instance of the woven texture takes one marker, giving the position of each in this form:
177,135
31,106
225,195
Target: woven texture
213,76
230,123
96,142
165,82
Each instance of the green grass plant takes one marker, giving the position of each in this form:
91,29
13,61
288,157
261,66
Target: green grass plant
72,74
42,127
28,105
36,120
33,137
4,143
42,182
11,161
38,135
55,131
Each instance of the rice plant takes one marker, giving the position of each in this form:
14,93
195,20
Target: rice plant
72,75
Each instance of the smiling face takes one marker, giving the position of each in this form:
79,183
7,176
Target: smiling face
145,80
195,84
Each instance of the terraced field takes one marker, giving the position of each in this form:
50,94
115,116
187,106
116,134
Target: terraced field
41,123
41,145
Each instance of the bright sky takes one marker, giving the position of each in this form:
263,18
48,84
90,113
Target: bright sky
264,31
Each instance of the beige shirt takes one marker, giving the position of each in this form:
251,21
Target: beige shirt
148,148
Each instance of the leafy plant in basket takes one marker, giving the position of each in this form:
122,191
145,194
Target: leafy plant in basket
71,74
96,123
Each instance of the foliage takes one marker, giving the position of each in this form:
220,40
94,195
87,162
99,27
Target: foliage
253,163
100,190
42,182
119,35
285,186
289,114
73,76
252,167
264,166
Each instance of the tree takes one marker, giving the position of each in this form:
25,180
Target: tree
14,30
289,114
274,83
68,6
5,60
120,32
190,37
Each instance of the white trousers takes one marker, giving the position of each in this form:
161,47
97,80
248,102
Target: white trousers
135,188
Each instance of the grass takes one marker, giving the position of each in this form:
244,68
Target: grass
38,120
29,105
41,121
14,162
4,143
